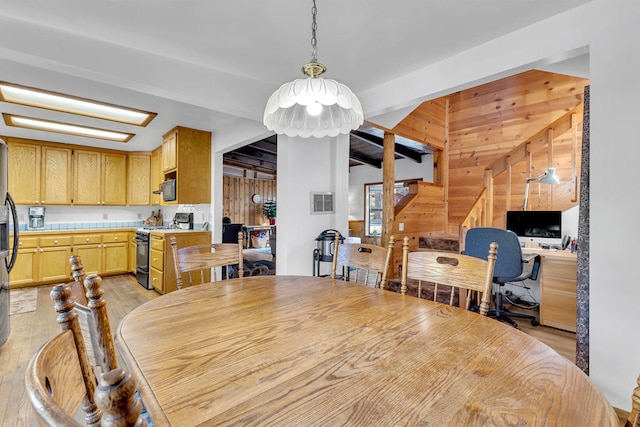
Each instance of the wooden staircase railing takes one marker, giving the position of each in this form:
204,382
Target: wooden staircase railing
477,216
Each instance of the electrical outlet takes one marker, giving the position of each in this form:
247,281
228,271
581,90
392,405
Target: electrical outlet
105,216
401,226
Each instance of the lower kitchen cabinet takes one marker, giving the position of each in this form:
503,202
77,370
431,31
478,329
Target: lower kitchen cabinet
162,274
44,258
104,254
25,270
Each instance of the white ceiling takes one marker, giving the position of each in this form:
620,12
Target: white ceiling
203,63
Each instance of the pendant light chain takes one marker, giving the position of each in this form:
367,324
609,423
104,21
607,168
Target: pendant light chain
314,27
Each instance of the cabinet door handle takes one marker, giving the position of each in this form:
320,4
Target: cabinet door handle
55,242
87,239
115,238
19,243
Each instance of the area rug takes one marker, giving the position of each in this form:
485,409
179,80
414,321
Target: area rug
23,300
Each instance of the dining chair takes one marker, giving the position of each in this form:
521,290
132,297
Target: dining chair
60,379
370,262
205,258
87,295
455,271
634,416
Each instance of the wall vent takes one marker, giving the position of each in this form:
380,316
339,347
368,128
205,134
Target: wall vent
322,203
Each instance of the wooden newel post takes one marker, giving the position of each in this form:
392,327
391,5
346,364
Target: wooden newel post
68,320
98,307
116,397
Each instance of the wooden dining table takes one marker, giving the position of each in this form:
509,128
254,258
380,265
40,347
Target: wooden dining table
314,351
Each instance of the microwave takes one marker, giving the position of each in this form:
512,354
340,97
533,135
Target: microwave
169,190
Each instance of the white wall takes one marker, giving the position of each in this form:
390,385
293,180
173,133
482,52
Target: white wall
364,174
306,165
615,150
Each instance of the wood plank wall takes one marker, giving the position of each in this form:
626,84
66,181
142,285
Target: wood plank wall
237,203
487,122
423,215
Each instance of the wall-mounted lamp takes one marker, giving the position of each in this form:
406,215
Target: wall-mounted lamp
547,177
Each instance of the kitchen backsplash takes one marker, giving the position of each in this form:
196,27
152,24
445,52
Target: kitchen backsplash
86,217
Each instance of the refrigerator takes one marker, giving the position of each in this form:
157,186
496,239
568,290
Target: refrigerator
8,256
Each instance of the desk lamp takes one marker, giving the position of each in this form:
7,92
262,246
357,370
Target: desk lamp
547,177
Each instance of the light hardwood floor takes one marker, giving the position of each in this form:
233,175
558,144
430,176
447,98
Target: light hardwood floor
30,330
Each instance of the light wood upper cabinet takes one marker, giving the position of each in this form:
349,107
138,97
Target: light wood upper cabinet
139,179
55,188
87,177
99,178
190,150
157,175
39,174
24,173
169,151
114,179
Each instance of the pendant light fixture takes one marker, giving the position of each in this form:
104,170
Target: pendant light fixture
313,106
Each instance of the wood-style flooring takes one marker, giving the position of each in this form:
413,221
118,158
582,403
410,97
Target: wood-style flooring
30,330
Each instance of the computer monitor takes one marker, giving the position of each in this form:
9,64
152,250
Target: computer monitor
543,227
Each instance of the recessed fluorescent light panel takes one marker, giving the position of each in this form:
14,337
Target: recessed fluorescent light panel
66,128
24,95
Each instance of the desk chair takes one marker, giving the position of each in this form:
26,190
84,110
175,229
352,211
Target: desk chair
370,262
450,269
205,257
509,266
60,379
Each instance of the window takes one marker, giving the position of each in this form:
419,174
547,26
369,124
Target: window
373,204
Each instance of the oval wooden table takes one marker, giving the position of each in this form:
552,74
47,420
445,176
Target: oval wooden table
311,351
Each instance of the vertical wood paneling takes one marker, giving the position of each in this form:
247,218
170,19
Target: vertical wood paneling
236,199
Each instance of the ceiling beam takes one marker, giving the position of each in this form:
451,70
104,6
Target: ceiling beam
364,159
403,151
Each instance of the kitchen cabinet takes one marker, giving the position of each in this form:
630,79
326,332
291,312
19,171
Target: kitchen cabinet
105,253
25,270
89,248
53,259
43,257
157,176
186,157
138,179
99,178
169,150
39,174
115,250
162,273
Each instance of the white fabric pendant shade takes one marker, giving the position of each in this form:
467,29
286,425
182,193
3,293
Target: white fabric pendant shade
286,111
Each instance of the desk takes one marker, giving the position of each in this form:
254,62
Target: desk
312,351
558,280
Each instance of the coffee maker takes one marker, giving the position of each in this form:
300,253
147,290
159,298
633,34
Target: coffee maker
36,217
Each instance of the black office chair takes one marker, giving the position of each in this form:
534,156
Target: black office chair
509,266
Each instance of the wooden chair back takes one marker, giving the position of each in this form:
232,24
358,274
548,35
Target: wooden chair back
634,416
87,295
369,262
453,270
60,378
199,259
